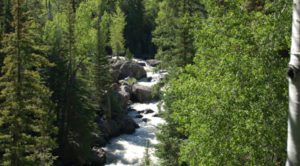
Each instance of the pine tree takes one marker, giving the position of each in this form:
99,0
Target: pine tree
164,34
5,24
134,29
26,115
174,32
117,27
101,66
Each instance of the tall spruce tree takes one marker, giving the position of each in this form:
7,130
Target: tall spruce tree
164,34
5,24
26,115
102,67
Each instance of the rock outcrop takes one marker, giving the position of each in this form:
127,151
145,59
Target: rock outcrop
142,93
121,124
132,69
121,69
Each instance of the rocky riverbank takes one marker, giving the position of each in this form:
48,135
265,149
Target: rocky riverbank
134,81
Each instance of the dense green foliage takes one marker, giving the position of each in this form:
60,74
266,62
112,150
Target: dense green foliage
225,97
26,117
55,76
173,34
229,107
117,41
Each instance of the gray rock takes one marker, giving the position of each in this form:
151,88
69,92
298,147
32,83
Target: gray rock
145,120
148,111
142,93
142,63
123,95
139,116
115,68
110,127
121,124
148,79
156,115
130,109
140,112
127,125
132,69
153,62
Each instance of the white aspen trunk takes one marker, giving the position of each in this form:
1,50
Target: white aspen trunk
293,141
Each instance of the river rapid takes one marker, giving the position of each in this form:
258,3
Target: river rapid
130,149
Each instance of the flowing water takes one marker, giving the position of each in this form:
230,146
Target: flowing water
130,149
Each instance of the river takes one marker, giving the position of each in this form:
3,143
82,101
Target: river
130,149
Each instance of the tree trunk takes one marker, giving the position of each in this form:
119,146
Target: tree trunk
293,142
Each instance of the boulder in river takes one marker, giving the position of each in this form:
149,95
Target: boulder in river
142,63
140,112
132,69
123,95
145,120
148,111
110,127
139,116
156,115
121,124
131,109
115,68
153,62
142,93
127,125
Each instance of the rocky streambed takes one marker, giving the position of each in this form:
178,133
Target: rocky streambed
126,136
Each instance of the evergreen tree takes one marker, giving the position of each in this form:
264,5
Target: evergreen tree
164,34
174,32
102,67
26,115
5,24
134,29
117,27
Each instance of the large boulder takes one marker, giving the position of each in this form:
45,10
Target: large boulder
142,93
123,95
120,124
153,62
132,69
114,74
127,125
110,128
115,68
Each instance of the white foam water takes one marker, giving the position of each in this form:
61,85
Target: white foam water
130,149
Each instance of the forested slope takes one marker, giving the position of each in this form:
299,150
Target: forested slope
229,106
225,96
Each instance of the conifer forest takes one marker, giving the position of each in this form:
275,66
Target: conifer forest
149,82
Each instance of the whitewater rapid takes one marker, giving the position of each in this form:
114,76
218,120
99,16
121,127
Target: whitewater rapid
130,149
